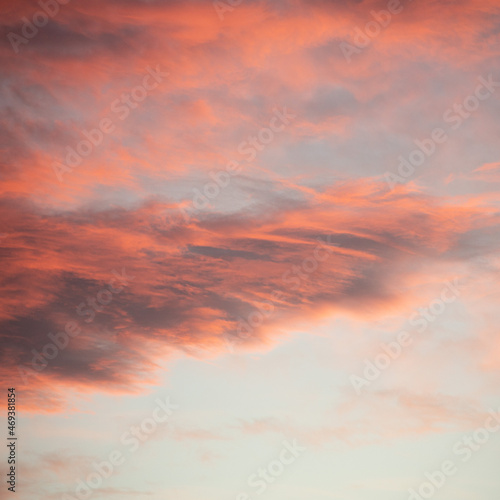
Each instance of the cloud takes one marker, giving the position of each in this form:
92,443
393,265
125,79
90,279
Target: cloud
196,281
193,283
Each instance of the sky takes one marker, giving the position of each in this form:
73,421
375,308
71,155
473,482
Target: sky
250,248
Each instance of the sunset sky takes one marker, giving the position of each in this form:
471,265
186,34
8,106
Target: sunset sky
243,209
